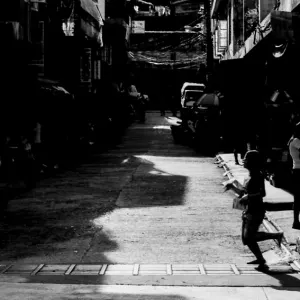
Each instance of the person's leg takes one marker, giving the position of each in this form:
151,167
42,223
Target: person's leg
263,236
296,209
254,248
296,192
243,149
296,217
173,108
249,232
235,153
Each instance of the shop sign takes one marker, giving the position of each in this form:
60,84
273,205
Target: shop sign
106,54
68,28
138,27
97,69
86,66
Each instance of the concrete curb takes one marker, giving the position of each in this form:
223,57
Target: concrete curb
231,179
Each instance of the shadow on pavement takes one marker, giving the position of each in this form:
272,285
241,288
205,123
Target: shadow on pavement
286,282
54,222
61,235
151,186
279,206
90,292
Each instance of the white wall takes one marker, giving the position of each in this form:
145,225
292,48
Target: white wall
101,4
265,7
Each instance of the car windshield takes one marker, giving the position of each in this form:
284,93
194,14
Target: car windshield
193,95
194,88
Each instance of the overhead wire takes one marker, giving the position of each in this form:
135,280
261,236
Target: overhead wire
158,56
159,41
165,43
164,61
190,41
162,37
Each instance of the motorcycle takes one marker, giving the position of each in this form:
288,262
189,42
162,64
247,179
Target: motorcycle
184,129
140,107
18,163
197,127
206,131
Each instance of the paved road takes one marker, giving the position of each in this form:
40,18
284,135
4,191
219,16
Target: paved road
146,201
74,292
55,292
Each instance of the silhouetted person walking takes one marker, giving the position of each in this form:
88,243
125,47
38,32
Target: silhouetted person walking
294,149
254,213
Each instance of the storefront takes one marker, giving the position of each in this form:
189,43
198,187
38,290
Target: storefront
116,38
74,44
282,98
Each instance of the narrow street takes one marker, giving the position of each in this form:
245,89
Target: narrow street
98,200
147,200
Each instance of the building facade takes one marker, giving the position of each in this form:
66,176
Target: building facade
239,25
257,44
167,47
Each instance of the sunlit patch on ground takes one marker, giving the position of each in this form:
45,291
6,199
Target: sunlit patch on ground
162,127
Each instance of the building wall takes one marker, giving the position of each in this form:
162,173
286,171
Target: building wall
265,6
251,37
238,26
101,4
260,77
13,10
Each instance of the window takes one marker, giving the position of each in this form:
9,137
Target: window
222,35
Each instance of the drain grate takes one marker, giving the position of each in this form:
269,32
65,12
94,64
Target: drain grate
136,269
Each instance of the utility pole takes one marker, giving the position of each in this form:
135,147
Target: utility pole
209,43
28,21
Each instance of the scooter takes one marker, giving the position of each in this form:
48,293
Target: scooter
184,129
18,163
140,107
195,128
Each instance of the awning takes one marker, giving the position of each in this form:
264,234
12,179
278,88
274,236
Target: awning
93,9
91,20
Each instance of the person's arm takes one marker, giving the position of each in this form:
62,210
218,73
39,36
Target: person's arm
254,188
244,199
296,144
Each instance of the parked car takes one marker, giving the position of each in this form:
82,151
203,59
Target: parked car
190,86
200,124
189,97
207,126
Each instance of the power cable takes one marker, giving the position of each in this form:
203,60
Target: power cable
163,37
